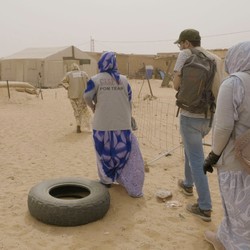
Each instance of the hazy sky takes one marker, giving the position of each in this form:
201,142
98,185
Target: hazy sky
124,26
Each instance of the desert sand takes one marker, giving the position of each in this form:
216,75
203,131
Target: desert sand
38,142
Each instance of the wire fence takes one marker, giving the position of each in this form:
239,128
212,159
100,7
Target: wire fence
158,126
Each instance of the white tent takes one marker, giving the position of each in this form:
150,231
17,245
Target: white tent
45,65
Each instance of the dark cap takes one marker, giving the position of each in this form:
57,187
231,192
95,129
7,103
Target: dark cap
190,35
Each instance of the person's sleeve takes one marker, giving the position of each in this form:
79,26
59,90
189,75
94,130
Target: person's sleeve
229,99
89,94
129,95
65,81
177,80
181,59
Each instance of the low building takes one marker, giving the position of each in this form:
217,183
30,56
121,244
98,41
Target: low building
45,66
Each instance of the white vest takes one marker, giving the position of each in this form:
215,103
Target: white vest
113,108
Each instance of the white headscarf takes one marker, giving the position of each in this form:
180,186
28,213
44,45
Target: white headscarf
75,66
238,58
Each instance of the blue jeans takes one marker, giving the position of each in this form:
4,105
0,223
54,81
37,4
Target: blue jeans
192,131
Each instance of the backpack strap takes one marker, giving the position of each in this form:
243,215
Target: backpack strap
178,111
212,111
197,52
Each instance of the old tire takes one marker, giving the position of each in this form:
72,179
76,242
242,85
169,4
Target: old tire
68,201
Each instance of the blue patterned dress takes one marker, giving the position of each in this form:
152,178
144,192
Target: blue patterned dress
118,154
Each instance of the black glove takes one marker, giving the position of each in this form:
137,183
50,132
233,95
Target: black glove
211,160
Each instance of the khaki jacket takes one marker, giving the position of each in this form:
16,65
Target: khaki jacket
75,82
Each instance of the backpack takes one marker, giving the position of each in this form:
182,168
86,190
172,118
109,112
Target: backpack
195,92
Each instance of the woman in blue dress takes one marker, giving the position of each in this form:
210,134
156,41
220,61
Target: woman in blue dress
119,158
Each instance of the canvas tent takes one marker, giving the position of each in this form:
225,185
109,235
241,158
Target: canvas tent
47,65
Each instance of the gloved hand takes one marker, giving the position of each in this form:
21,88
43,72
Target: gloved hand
211,160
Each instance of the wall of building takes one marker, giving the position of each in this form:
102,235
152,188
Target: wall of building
131,65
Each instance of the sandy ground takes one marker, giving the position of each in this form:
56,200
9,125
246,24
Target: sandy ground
38,142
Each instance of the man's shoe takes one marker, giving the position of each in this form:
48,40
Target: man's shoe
195,210
186,190
212,238
78,129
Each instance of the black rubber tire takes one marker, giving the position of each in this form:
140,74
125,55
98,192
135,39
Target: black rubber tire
91,201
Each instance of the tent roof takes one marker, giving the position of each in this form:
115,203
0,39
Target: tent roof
36,53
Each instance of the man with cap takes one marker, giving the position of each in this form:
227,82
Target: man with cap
193,127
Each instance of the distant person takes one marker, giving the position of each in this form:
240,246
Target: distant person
193,127
39,80
75,82
232,120
39,85
119,158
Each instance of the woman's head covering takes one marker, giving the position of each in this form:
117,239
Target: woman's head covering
75,66
107,63
238,58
